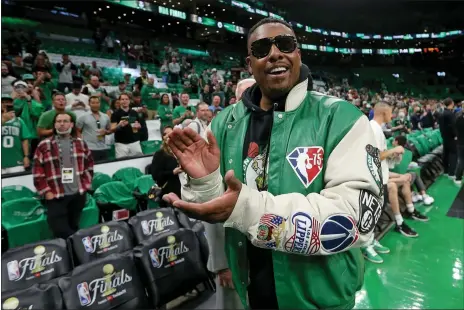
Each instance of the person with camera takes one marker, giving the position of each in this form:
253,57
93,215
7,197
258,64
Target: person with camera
184,111
127,126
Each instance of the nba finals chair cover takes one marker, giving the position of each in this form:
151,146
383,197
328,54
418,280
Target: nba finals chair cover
128,176
112,282
100,241
153,222
171,264
13,192
39,296
113,198
199,229
34,263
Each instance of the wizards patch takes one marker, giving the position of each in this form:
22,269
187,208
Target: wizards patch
375,166
338,232
307,162
370,211
271,230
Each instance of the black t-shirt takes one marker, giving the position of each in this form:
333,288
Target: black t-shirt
125,134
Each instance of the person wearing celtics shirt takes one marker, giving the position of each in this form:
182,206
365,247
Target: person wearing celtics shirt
15,139
94,89
401,125
294,177
183,111
150,98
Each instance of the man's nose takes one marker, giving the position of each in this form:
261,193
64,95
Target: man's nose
275,53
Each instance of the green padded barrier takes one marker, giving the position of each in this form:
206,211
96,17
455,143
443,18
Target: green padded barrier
116,192
127,175
150,147
99,179
13,192
21,210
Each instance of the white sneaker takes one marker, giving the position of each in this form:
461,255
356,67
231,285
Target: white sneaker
446,174
416,197
458,183
452,177
428,200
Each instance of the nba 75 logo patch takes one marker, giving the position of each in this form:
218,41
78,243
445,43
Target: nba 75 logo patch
307,162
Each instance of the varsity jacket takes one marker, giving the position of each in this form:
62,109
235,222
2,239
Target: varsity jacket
321,204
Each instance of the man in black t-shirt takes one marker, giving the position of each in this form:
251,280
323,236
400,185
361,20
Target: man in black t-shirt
128,129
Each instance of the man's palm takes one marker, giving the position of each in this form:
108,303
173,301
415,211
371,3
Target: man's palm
197,157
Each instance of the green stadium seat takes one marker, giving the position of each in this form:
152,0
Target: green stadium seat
21,210
127,175
13,192
99,179
117,193
150,147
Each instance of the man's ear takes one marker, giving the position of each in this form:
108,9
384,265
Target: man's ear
248,61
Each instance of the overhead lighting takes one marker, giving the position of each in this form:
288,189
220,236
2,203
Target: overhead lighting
107,6
217,31
162,26
124,14
251,17
149,19
133,12
119,17
209,4
223,10
99,9
178,23
94,12
169,24
206,14
233,23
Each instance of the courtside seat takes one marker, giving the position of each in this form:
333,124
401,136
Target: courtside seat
153,222
171,264
34,263
13,192
112,282
127,175
99,179
199,228
113,196
100,241
39,296
142,187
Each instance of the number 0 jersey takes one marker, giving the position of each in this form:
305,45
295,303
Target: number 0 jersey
13,133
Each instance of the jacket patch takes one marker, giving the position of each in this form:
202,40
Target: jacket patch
370,210
307,162
375,166
305,238
338,232
270,232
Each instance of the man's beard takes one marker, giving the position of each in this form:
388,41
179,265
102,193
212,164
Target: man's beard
65,132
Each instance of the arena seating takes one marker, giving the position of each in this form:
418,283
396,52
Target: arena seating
109,272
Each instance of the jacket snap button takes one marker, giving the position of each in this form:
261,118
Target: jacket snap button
230,161
230,126
280,116
240,243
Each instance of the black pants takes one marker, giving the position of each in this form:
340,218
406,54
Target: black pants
62,86
64,214
173,78
449,156
460,165
100,155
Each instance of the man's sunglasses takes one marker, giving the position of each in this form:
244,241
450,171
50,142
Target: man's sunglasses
285,43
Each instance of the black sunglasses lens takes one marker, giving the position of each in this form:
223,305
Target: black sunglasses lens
260,48
286,44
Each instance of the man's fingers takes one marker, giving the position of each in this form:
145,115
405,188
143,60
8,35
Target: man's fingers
170,198
176,139
232,182
186,138
175,150
194,210
192,134
211,139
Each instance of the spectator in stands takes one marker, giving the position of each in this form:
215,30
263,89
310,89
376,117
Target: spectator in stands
66,69
414,178
15,139
209,115
174,71
427,120
459,127
79,109
41,63
14,42
150,98
401,124
232,101
216,78
183,111
448,134
147,53
76,96
18,66
43,81
63,182
98,38
46,124
165,169
164,70
115,105
95,89
126,125
93,127
270,208
216,104
141,80
23,93
218,92
122,89
165,111
200,123
109,42
205,95
194,81
242,86
7,80
206,77
416,118
95,70
138,106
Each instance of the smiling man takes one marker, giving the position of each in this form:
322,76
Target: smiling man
294,177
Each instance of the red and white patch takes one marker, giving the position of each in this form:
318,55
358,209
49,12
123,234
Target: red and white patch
307,162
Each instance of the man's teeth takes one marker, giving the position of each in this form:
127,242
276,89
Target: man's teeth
278,70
